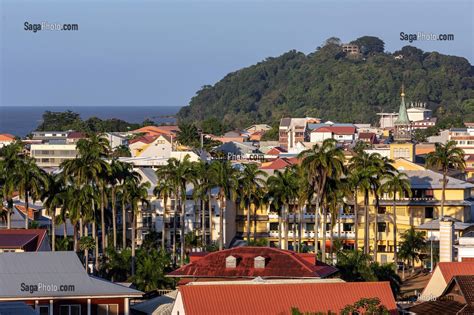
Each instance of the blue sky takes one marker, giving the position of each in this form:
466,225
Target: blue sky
161,52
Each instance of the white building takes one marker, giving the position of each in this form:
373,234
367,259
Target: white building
151,147
340,133
466,247
116,139
417,111
52,155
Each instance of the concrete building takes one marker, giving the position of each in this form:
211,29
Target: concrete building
294,130
116,139
417,111
465,247
464,138
387,120
52,155
350,48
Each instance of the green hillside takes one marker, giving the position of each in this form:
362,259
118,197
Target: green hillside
332,85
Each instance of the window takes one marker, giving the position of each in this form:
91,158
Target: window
107,309
309,227
382,210
328,227
381,226
70,310
43,309
273,226
348,227
429,213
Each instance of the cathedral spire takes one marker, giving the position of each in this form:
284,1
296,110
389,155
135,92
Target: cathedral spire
402,119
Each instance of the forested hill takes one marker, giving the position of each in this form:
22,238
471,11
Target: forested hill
331,84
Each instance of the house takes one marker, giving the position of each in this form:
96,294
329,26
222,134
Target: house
340,133
237,150
278,298
350,49
157,130
294,130
275,151
231,136
56,283
442,275
252,262
116,139
457,298
159,146
74,136
31,240
368,137
258,127
6,139
279,163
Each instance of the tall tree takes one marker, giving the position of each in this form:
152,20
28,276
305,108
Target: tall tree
164,190
224,176
52,200
251,179
396,184
322,162
8,164
446,156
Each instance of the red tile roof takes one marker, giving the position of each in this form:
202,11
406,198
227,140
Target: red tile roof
276,151
31,211
76,135
281,298
279,163
6,137
157,130
338,130
145,139
28,240
366,135
450,269
279,264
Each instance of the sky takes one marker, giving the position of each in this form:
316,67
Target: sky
159,53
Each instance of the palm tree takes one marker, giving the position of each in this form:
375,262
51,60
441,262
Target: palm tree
283,187
202,191
138,195
250,180
129,176
181,173
52,200
164,190
321,163
30,181
396,183
412,246
188,135
442,159
8,165
224,176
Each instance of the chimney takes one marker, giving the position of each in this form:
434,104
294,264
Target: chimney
230,262
259,262
446,239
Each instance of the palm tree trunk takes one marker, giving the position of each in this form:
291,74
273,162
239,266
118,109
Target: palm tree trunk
133,242
294,231
124,225
356,221
81,226
376,229
280,244
9,212
210,215
102,217
443,193
221,223
316,228
203,223
248,223
75,237
323,245
27,210
96,243
183,231
286,224
255,223
175,213
86,252
163,227
114,218
300,229
366,225
394,207
53,230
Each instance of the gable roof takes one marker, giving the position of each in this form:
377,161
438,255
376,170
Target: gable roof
157,130
279,264
279,163
466,286
281,298
6,137
338,130
144,139
275,151
28,240
427,178
451,269
53,268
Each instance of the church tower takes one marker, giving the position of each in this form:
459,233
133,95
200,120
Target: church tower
402,147
402,131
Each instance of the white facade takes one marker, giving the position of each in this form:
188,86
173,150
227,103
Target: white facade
465,248
161,147
418,111
320,136
52,155
116,140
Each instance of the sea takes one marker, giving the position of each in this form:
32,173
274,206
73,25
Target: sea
21,120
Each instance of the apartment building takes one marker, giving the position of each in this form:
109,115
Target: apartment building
294,130
464,138
52,155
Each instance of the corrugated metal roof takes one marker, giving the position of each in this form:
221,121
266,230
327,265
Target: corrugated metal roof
52,268
281,298
430,179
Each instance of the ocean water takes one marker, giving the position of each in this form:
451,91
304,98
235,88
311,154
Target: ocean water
21,120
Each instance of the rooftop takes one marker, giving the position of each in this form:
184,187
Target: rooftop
451,269
28,240
278,264
281,298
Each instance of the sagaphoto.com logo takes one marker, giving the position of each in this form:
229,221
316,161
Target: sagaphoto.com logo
47,26
424,36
